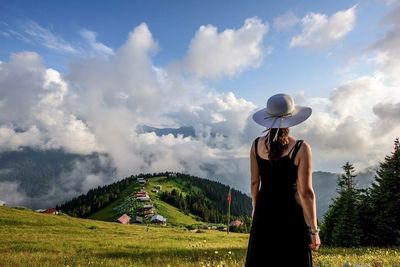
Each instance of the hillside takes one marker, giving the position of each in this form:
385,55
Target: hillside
183,200
173,214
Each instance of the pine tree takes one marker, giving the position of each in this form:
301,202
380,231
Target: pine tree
341,225
385,198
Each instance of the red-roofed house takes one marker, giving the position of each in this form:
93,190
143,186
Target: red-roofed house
124,219
51,211
236,223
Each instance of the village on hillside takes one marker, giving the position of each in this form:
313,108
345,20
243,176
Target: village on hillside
146,211
138,208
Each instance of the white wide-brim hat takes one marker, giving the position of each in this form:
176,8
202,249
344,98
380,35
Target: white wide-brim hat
281,112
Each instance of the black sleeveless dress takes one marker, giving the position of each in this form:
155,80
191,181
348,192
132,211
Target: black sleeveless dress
278,225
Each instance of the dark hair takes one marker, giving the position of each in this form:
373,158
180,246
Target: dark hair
276,148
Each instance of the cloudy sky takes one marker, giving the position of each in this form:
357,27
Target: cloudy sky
83,75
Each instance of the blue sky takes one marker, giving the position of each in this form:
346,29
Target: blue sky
173,24
82,75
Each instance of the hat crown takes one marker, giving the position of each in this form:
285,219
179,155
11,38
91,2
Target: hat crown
280,105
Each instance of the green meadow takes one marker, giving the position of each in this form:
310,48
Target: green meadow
31,239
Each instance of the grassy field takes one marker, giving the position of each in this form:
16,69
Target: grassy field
31,239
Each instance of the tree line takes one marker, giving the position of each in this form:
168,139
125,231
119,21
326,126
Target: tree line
208,200
366,217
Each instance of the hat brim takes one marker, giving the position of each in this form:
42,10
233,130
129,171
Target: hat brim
299,115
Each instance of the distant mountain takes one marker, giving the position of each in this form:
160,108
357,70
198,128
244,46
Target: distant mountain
185,130
44,178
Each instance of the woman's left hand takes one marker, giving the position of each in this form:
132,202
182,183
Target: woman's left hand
315,242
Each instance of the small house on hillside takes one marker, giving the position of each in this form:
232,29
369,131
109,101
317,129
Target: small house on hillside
147,206
52,211
141,181
148,212
2,203
140,194
158,219
124,219
143,198
236,223
137,219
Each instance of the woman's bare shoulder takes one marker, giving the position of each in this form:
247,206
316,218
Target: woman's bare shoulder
305,149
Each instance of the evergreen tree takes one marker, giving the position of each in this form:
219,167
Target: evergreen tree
367,215
385,200
342,221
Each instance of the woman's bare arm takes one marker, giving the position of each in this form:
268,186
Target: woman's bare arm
306,191
255,176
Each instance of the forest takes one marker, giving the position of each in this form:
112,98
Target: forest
366,217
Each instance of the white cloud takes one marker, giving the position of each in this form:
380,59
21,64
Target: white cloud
33,33
12,140
348,126
212,54
21,83
97,47
388,116
33,109
387,48
10,194
47,38
285,21
320,31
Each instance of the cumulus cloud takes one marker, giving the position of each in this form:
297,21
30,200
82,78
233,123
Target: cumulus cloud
9,193
347,125
97,47
320,31
213,54
10,139
33,109
285,21
387,48
126,90
389,116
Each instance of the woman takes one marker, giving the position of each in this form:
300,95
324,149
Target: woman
284,228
